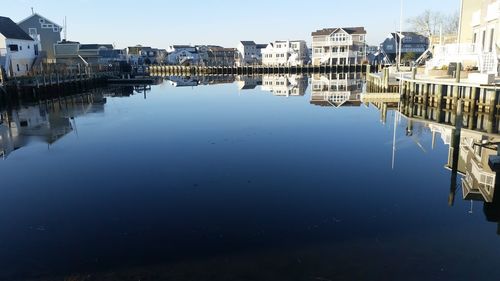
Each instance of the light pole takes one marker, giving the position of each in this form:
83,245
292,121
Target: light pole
400,36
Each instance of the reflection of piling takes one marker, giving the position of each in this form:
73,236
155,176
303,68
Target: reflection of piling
455,153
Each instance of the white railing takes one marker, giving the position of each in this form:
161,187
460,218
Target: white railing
443,55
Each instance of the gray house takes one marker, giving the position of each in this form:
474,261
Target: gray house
411,43
45,31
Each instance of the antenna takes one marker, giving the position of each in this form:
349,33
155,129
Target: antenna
65,29
32,11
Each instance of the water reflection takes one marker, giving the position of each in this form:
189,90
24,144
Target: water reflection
293,207
47,122
336,90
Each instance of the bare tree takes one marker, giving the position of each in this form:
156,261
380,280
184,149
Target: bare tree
451,23
429,23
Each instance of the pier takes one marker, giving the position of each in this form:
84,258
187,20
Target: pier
257,69
439,101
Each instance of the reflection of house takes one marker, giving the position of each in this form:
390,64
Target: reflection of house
46,32
472,162
293,85
180,81
337,91
286,53
18,50
338,46
39,123
248,82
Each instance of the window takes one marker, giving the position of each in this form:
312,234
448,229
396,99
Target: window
13,48
17,66
29,46
474,40
20,48
42,20
484,40
27,68
492,32
32,32
55,29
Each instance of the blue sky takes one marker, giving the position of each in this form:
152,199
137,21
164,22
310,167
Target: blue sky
223,22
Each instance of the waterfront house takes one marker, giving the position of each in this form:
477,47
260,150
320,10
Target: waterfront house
286,53
477,45
183,55
292,85
338,46
249,53
18,50
413,45
47,32
139,55
220,56
72,53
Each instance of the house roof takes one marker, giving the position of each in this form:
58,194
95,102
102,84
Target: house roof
261,46
40,16
409,34
11,30
349,30
246,43
182,46
95,46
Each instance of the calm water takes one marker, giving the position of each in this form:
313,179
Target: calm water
248,180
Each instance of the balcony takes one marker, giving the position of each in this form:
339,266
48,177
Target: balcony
476,18
328,42
492,12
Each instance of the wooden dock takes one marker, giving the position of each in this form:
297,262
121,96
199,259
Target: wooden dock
166,70
438,100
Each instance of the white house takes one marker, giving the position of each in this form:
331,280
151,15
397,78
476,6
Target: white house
182,55
290,53
18,50
249,53
339,46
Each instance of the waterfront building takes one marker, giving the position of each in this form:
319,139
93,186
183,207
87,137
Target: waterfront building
477,45
413,45
220,56
336,90
18,51
286,86
286,53
72,53
183,55
45,31
249,53
337,46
